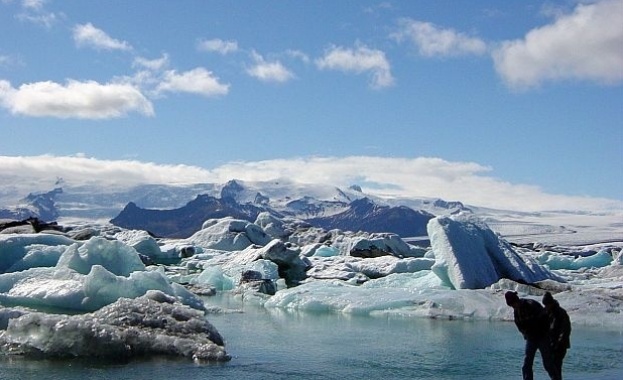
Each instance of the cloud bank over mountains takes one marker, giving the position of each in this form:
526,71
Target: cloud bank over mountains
585,44
467,182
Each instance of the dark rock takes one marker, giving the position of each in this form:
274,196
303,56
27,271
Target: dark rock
29,225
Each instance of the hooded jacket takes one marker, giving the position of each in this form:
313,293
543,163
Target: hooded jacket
531,319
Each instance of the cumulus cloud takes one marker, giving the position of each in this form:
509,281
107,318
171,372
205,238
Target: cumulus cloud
586,45
433,41
197,81
266,71
468,182
82,100
217,45
359,59
90,36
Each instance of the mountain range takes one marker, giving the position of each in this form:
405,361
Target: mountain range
177,211
157,209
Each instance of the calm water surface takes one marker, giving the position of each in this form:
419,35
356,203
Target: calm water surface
269,344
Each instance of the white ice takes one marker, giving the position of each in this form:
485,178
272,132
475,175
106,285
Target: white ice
469,255
85,277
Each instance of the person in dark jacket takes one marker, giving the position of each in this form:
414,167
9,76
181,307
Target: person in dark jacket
559,330
531,320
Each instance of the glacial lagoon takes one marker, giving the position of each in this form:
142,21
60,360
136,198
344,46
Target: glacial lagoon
276,344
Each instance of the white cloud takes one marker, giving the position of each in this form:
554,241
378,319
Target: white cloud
197,81
43,19
433,41
217,45
297,54
33,4
359,60
152,64
34,12
269,71
89,35
82,100
79,170
396,177
586,44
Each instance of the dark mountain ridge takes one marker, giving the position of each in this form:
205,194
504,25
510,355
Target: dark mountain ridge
360,215
365,215
184,221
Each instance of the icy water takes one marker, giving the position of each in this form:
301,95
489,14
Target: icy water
268,344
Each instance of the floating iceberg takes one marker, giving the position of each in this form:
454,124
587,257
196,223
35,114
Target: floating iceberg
116,257
228,234
84,277
557,261
154,324
144,244
348,267
469,255
23,251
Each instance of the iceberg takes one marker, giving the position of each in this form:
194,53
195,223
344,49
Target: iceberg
557,261
154,324
228,234
23,251
116,257
78,276
469,255
382,245
348,267
214,276
66,289
406,295
274,260
143,243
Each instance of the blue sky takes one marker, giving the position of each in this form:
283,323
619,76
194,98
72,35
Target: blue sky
522,94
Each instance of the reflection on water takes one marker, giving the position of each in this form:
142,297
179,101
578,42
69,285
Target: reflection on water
272,344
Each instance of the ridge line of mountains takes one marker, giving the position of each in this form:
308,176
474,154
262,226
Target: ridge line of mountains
349,210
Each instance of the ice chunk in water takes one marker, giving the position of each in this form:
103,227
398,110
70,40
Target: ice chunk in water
469,255
114,255
154,324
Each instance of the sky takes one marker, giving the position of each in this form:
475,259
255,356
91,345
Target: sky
513,103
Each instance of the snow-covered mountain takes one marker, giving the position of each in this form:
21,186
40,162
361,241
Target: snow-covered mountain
320,205
41,205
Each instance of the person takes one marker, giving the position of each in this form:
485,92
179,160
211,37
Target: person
531,320
559,330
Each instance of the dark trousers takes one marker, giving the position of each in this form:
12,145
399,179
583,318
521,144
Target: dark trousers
532,345
559,356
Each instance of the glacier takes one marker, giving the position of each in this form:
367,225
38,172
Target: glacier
60,296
